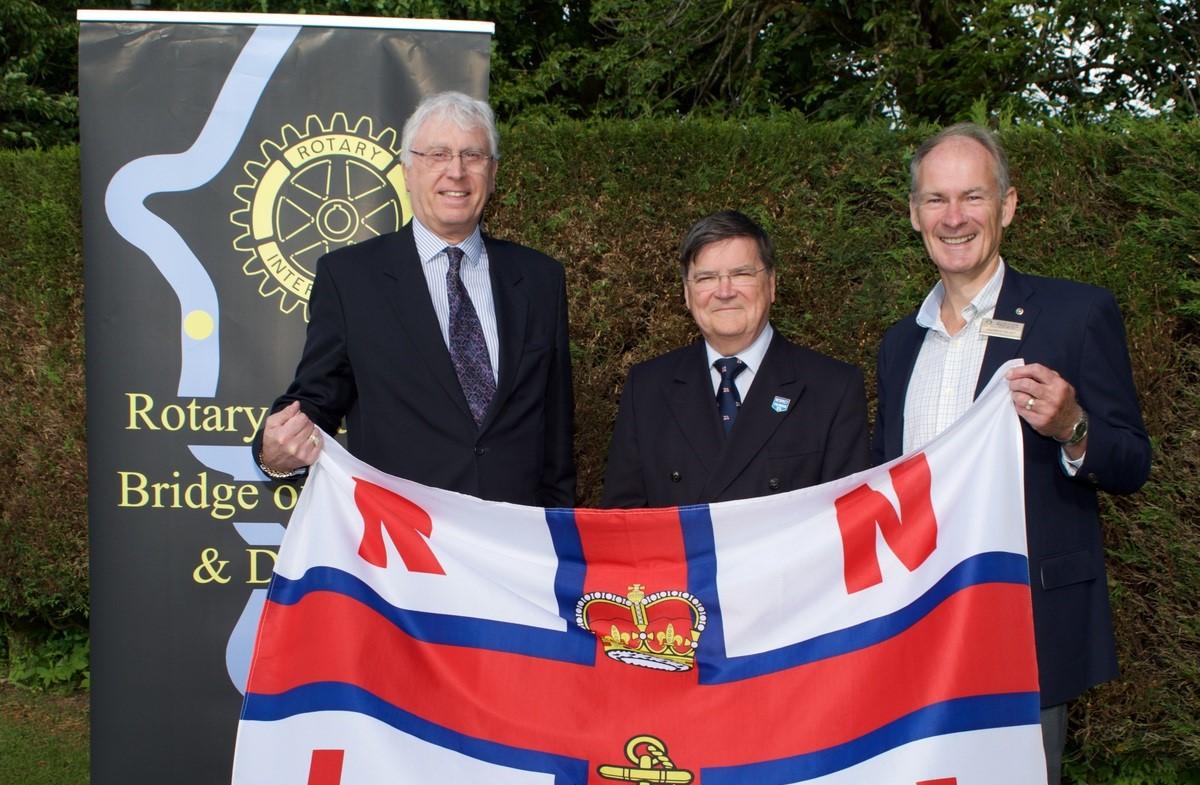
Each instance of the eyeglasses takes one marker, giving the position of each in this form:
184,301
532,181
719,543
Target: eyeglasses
439,160
741,278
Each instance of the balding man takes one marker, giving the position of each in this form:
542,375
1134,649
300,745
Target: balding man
1082,427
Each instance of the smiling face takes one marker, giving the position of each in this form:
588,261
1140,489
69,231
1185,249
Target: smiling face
732,315
959,211
449,202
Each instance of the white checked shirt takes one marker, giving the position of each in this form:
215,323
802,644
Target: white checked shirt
751,357
942,385
475,277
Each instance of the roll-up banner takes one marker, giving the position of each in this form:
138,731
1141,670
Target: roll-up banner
221,155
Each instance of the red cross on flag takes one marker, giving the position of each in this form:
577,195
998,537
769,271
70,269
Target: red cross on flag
876,629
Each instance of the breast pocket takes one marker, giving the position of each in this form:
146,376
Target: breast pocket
788,470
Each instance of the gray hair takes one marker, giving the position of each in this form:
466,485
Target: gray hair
724,225
461,109
967,131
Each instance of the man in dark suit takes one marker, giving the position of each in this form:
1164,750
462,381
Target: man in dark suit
742,412
445,350
1082,426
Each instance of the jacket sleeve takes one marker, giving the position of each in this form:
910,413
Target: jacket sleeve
624,485
324,380
1118,449
846,451
558,473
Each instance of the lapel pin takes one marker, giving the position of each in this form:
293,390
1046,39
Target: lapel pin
780,404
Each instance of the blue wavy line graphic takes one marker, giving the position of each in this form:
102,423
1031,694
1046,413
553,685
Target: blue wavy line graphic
124,202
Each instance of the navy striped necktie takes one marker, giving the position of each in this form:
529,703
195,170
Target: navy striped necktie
728,399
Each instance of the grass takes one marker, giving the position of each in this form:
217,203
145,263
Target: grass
43,737
1129,771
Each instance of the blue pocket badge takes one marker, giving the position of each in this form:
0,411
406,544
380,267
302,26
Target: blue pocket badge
780,404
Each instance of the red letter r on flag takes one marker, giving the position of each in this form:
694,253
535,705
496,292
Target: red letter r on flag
406,523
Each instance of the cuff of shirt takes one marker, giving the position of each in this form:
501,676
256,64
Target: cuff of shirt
1071,467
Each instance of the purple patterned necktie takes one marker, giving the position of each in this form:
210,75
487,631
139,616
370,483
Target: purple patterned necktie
728,398
468,350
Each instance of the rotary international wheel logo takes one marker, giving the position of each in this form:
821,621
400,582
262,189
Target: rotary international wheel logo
311,193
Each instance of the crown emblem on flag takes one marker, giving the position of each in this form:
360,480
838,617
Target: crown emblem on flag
659,631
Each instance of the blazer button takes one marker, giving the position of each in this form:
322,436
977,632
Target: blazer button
676,476
1092,478
773,483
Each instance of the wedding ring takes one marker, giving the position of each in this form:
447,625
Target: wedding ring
1029,404
316,440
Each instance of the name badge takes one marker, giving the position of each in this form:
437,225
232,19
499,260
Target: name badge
1002,329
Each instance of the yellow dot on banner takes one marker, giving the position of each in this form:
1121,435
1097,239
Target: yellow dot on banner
198,325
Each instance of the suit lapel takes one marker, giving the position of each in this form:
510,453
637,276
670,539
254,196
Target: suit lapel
1013,305
512,313
693,404
757,420
907,349
409,293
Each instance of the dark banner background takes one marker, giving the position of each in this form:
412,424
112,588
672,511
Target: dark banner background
196,268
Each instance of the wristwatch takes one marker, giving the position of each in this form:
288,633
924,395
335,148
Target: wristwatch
1078,432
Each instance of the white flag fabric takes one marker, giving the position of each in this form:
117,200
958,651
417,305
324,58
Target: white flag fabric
876,629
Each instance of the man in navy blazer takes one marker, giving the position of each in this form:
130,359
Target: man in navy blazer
788,418
445,350
1082,426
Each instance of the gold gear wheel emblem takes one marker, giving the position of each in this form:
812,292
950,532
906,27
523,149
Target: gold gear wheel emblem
314,192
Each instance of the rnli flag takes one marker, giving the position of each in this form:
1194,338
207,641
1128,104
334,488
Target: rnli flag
876,629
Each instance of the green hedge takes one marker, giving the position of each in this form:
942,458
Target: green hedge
1115,206
43,451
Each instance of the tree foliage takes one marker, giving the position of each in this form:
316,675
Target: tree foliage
37,73
927,60
920,61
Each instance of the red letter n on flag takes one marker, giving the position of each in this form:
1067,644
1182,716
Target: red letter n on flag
912,535
406,523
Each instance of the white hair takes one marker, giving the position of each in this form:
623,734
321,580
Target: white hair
461,109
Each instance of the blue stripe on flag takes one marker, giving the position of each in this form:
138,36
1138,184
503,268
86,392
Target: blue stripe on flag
955,716
573,645
994,567
715,667
578,646
335,696
568,580
701,549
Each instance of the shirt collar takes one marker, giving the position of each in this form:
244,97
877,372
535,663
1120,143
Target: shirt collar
752,355
430,245
929,314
